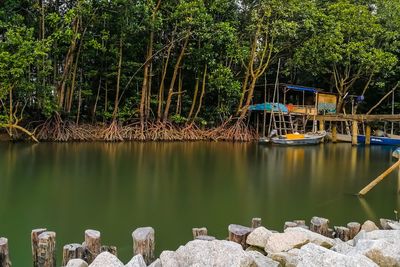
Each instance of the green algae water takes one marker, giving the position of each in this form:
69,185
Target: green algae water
117,187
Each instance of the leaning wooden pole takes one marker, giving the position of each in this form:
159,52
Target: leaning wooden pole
378,179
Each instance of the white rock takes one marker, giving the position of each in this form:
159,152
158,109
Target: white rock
390,236
313,237
279,242
156,263
342,248
380,251
259,237
76,263
262,261
312,255
369,226
106,259
170,259
207,253
136,261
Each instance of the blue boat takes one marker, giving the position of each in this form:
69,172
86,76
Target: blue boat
378,140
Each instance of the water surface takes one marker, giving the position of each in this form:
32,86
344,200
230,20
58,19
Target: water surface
117,187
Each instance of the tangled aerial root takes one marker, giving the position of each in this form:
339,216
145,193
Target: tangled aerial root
55,129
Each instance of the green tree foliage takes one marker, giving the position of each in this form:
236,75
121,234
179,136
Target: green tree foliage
189,60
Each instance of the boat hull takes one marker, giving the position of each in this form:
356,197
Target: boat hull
312,139
383,141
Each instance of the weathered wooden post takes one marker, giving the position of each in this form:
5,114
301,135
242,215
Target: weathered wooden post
342,232
334,132
255,222
46,252
92,244
354,228
72,251
143,243
354,133
34,242
199,231
368,135
238,234
320,226
111,249
321,125
4,253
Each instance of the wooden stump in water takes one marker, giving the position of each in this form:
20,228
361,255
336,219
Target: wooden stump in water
342,232
46,252
289,225
72,251
4,253
111,249
34,242
255,222
199,231
320,225
143,243
354,228
238,234
92,244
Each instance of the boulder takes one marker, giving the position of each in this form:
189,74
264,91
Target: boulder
76,263
136,261
262,261
313,237
342,248
279,242
156,263
258,237
369,226
106,259
312,255
170,259
389,224
380,251
392,236
207,253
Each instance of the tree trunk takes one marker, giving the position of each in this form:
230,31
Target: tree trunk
196,90
96,101
161,89
179,100
171,86
203,90
116,101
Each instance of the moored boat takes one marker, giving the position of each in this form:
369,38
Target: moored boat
299,139
380,140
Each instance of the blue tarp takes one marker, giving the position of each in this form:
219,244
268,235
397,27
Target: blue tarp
276,107
301,88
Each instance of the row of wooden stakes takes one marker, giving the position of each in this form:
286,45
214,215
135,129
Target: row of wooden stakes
44,242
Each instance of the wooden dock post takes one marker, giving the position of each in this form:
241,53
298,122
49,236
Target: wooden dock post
354,228
343,233
143,243
354,133
238,234
72,251
34,242
46,252
4,253
92,244
112,249
378,179
321,125
199,231
320,226
334,133
255,222
368,135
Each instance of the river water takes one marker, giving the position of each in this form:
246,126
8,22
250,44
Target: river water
117,187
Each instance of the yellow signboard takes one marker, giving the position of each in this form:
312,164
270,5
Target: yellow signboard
327,103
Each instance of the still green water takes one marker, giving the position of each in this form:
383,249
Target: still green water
117,187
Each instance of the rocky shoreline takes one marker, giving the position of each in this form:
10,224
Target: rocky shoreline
256,246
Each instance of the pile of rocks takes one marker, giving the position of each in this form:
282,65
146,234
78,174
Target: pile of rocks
298,245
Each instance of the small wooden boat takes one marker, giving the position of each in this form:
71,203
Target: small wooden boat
380,140
299,139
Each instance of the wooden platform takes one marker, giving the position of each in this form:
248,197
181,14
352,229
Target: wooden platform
358,117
